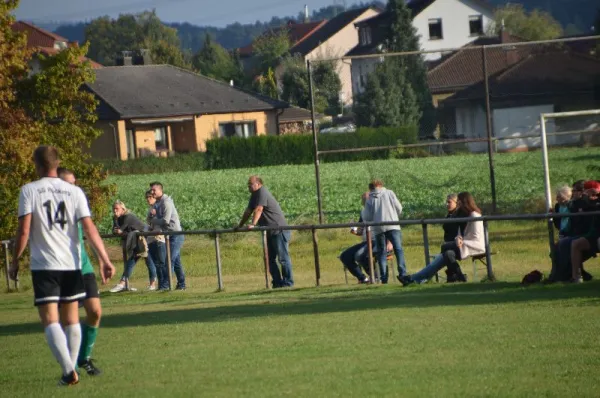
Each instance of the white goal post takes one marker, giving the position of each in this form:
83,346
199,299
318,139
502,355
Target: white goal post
544,145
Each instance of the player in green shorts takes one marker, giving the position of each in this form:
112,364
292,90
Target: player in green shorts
91,303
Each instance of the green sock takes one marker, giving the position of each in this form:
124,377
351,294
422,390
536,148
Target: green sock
88,339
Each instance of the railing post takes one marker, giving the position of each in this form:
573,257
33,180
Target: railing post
370,250
316,254
7,264
426,247
219,270
123,243
266,258
169,270
488,253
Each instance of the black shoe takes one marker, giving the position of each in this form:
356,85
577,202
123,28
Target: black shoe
405,280
586,276
180,288
364,281
69,380
90,368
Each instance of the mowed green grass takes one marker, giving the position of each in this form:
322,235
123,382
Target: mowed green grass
453,341
213,199
474,339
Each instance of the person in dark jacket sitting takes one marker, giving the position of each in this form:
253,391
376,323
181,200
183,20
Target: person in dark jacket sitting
586,245
124,223
452,230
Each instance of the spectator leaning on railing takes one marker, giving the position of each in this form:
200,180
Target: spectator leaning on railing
266,212
166,217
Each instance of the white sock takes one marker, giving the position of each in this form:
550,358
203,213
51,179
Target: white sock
73,333
58,345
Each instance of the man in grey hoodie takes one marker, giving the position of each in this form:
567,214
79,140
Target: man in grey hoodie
384,206
164,215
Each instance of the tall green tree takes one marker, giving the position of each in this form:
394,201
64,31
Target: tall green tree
216,62
534,25
270,48
108,37
403,76
45,108
326,84
388,99
266,84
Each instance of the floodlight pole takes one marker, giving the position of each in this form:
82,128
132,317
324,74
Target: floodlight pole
488,112
315,141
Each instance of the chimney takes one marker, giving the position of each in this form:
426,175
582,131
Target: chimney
142,57
306,18
124,59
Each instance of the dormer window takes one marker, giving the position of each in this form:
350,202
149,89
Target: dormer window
475,25
365,36
435,29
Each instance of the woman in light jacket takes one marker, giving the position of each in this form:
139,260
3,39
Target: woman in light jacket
467,243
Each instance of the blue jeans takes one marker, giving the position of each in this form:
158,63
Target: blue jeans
278,247
130,264
349,259
395,237
158,253
175,244
447,258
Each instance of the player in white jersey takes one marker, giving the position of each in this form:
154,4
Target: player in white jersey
49,210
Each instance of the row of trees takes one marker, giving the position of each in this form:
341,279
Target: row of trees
46,108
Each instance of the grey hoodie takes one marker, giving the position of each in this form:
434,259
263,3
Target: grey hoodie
382,206
166,215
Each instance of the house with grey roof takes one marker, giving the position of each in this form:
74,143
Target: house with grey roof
161,109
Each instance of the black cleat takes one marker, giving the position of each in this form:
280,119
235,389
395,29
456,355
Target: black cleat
90,368
69,380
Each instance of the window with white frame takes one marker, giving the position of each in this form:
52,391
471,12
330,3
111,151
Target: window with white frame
160,137
475,25
435,29
237,129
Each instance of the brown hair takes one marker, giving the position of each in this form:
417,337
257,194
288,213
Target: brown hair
46,157
257,179
376,183
467,203
63,171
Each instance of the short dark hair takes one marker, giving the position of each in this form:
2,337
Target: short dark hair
46,157
63,171
578,185
149,193
156,183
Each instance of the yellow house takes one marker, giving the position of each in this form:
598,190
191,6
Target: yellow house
159,109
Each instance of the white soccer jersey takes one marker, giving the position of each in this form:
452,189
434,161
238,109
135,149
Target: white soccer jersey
55,207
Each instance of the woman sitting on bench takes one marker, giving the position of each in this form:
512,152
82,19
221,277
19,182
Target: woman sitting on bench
470,243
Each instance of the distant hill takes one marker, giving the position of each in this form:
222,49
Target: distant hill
576,16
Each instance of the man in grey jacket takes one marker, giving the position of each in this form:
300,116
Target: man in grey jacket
383,206
166,217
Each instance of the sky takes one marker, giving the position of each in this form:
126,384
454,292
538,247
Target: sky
198,12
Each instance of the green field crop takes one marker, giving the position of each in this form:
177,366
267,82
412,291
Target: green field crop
209,199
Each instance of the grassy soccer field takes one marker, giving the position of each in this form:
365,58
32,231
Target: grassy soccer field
209,199
451,341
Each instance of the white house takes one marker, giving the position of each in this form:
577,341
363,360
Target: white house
440,25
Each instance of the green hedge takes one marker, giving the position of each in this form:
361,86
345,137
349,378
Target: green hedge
150,164
298,149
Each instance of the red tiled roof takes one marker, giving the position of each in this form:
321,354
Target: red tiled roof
465,67
44,41
552,73
54,51
37,37
296,33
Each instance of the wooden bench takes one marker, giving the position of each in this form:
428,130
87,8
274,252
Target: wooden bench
482,258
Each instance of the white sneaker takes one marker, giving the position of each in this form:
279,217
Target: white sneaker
117,289
151,288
